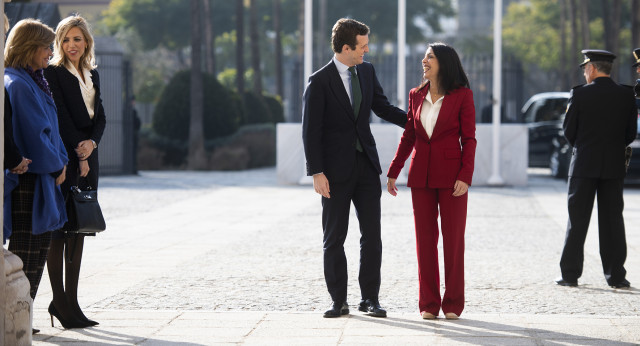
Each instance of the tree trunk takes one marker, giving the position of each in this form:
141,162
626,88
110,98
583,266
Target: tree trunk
209,39
563,45
277,27
584,21
240,47
255,48
573,56
611,15
321,34
635,24
196,159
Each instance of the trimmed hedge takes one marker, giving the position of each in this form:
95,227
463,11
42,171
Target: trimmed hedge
172,113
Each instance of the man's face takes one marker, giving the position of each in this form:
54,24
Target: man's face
356,56
638,69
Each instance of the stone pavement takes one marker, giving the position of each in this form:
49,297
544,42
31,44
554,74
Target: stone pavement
200,258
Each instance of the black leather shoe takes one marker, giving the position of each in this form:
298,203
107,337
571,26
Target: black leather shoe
562,282
337,310
372,307
622,284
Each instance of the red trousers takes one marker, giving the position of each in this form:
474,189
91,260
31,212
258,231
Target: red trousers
453,212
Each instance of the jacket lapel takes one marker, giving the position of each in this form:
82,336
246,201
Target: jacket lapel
339,91
422,94
446,111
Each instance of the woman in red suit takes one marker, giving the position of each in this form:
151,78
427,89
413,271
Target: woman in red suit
441,127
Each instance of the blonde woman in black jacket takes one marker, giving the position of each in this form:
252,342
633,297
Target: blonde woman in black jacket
75,86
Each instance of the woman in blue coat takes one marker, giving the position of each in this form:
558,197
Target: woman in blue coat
33,202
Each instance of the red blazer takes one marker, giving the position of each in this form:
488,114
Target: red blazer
449,154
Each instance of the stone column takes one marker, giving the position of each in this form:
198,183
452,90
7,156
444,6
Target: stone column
18,302
2,275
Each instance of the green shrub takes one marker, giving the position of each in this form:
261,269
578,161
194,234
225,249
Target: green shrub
256,110
172,113
275,106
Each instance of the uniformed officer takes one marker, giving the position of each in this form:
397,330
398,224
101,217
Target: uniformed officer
600,123
636,58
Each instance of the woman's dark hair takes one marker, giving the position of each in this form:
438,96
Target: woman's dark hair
451,74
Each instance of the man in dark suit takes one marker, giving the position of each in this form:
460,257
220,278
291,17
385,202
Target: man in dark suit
600,123
343,160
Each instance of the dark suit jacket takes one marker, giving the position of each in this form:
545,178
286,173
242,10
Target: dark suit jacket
449,154
601,121
12,156
329,127
73,117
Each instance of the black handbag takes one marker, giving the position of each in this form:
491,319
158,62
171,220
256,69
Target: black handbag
83,211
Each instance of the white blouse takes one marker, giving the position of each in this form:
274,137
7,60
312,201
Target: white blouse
86,88
429,113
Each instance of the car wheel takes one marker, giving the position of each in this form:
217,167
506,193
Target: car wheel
558,164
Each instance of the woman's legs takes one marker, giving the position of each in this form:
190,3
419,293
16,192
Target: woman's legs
453,212
32,249
73,262
425,212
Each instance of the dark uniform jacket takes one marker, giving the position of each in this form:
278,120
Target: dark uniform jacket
601,121
329,127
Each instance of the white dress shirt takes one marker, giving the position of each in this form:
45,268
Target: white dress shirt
345,75
429,113
86,88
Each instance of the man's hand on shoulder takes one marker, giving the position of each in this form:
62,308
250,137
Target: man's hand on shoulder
321,185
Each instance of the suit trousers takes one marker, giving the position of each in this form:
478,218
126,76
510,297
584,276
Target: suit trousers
363,188
613,245
453,212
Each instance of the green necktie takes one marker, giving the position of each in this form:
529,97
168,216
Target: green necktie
356,93
356,96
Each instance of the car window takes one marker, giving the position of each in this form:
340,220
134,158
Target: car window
550,109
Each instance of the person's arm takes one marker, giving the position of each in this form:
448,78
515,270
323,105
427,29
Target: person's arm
405,147
34,132
312,125
100,119
632,122
467,137
382,107
12,156
570,124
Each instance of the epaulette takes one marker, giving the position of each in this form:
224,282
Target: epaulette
577,86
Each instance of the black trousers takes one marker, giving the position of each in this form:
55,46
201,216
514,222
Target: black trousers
364,190
613,245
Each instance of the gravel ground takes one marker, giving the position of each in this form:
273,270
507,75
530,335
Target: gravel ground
238,241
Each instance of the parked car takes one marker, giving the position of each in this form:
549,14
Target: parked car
544,113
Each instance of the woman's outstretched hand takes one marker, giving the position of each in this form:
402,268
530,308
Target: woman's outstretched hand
391,187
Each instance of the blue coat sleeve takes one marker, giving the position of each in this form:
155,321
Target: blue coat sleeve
35,132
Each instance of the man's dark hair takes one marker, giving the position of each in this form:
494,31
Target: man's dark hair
451,75
602,66
345,31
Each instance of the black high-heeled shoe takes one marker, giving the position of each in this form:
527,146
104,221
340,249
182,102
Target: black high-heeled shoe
84,319
66,324
79,315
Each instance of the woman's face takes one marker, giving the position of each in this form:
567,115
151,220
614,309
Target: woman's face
74,45
41,58
430,65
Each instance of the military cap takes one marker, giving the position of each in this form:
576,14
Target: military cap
591,55
636,57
